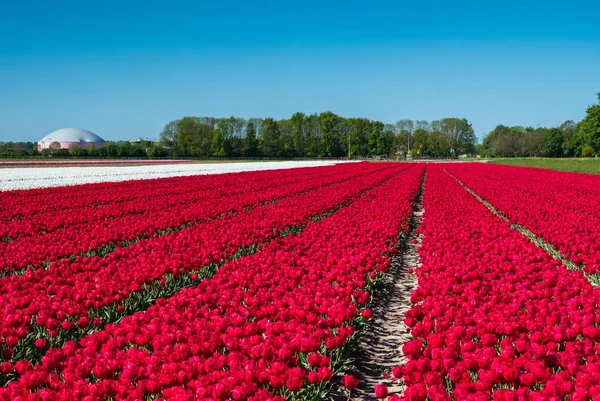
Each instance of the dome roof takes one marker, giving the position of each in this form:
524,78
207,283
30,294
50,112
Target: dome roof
71,135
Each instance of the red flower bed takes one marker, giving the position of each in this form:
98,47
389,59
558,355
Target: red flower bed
561,208
52,208
76,230
494,316
263,327
51,303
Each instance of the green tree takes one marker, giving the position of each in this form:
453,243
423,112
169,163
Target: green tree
589,128
156,151
420,143
330,137
126,149
533,143
385,141
218,142
460,135
298,133
404,131
168,135
568,131
92,151
312,130
437,144
286,136
269,138
54,147
587,151
76,151
194,136
376,129
554,143
110,149
250,143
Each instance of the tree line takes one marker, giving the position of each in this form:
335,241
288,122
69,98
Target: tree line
570,139
330,135
316,135
111,149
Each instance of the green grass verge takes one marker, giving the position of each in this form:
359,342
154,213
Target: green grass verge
590,166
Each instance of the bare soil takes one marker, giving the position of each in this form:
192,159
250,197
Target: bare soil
381,342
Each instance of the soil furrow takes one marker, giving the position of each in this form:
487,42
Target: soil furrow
381,342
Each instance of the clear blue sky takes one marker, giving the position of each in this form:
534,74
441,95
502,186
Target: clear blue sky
122,69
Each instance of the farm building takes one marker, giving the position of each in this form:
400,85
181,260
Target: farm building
66,137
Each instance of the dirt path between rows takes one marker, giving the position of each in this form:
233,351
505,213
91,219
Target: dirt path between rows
381,342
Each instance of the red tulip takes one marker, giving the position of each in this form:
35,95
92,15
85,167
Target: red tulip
381,391
350,382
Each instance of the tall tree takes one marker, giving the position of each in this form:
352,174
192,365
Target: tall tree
286,136
568,131
404,131
330,134
589,128
250,143
374,137
420,143
554,143
312,128
438,145
298,132
218,142
168,136
460,135
359,136
269,138
533,143
194,137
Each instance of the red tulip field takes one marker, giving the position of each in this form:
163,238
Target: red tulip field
262,285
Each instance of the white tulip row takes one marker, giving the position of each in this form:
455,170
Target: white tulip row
27,178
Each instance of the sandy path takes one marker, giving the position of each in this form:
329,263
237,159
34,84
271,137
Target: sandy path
381,343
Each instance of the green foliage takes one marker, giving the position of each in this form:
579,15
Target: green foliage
251,143
554,143
316,135
515,141
589,129
570,139
157,151
330,134
218,142
459,134
110,149
168,136
269,138
77,151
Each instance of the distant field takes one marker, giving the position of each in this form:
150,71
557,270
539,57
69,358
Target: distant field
37,163
590,166
52,176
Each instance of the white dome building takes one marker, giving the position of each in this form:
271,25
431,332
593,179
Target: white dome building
69,136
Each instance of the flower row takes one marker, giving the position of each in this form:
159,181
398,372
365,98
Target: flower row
14,179
494,316
32,214
561,208
52,302
263,327
190,208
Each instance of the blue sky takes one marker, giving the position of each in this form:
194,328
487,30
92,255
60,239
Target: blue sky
124,69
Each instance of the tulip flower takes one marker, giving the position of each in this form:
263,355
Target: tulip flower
381,391
242,333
